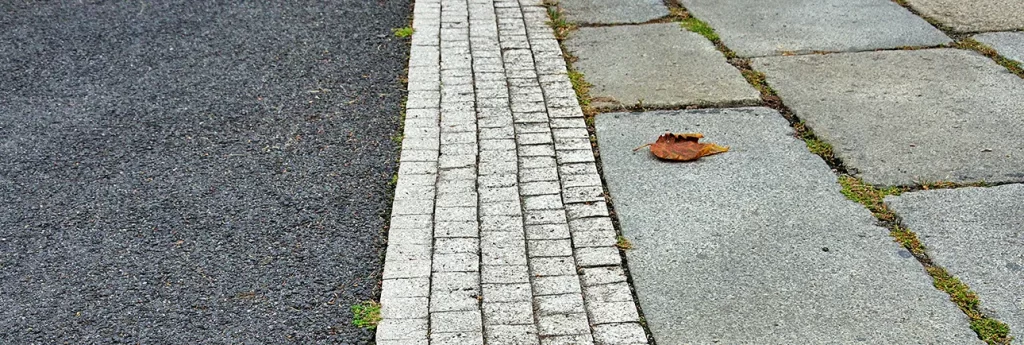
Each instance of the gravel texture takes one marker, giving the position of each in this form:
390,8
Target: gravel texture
183,173
757,245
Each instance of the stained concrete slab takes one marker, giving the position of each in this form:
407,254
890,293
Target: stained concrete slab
757,245
974,15
762,28
655,65
612,11
976,234
1007,44
906,117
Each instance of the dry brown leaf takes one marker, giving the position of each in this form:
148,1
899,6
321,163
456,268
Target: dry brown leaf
682,147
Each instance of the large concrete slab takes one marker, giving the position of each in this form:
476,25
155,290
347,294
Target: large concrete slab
1008,44
905,117
613,11
976,234
757,245
656,65
974,15
761,28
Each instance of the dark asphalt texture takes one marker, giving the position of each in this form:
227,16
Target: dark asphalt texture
194,172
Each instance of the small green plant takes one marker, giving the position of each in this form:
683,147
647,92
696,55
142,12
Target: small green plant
700,27
366,315
405,32
623,243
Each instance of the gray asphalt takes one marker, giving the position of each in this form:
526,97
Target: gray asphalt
194,172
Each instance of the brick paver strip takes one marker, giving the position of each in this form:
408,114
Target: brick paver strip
499,230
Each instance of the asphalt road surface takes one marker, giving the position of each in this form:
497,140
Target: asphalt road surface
194,172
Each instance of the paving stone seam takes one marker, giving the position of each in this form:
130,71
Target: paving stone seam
772,100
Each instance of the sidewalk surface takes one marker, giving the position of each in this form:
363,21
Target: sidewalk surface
871,193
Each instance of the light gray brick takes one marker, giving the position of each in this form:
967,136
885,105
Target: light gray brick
490,195
620,333
497,133
398,329
497,145
538,188
566,112
614,292
456,161
548,248
508,313
457,338
501,224
585,210
536,150
583,194
412,168
512,335
585,239
563,324
547,231
591,224
568,123
497,181
498,168
612,312
543,202
573,144
455,300
403,308
504,274
456,229
501,208
413,221
544,217
574,156
529,117
574,339
456,245
412,207
460,199
456,188
578,169
456,262
598,256
455,214
405,287
455,321
556,285
559,304
507,293
602,275
422,235
503,255
538,174
419,155
580,180
532,162
553,266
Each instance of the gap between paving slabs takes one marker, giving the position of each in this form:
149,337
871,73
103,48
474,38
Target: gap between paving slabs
988,329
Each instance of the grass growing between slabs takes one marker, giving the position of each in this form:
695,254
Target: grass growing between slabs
990,330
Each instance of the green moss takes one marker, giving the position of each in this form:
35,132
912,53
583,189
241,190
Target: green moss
623,243
366,315
405,32
700,27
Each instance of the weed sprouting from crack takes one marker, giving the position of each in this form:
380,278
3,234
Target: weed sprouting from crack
990,330
366,315
1011,65
622,243
405,32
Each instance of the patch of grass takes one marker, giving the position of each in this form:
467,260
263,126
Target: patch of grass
970,44
623,243
990,330
700,27
557,21
366,315
405,32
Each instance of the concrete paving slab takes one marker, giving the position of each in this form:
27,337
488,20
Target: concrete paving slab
656,65
1008,44
762,28
757,245
905,117
974,15
975,233
613,11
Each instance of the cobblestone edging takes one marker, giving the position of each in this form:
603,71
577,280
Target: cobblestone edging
499,230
